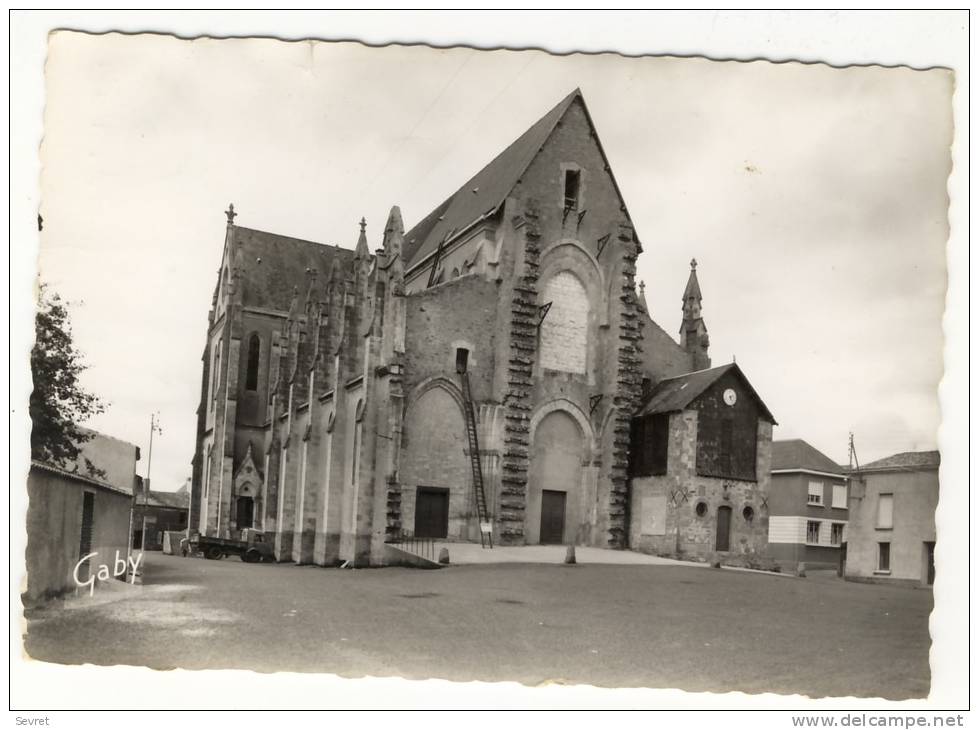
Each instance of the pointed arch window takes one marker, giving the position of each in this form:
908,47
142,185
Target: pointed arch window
254,354
216,375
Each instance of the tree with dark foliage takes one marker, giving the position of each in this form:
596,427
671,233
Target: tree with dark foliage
58,403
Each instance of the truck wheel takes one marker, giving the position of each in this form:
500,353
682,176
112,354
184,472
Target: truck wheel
214,553
251,556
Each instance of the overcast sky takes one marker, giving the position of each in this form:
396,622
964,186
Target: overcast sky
812,197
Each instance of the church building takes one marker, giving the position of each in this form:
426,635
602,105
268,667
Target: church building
492,373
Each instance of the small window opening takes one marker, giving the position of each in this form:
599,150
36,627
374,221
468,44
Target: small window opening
572,187
748,513
701,509
462,359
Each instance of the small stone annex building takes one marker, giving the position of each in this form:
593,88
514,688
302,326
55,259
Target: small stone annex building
479,372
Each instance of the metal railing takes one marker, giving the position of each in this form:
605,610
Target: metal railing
423,547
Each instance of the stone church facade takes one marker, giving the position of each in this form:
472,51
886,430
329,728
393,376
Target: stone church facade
478,374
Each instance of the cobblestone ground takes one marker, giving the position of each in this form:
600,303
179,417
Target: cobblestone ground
609,625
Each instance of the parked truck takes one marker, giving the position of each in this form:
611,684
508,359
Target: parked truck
252,549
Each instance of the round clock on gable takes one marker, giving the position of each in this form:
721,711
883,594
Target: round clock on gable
730,397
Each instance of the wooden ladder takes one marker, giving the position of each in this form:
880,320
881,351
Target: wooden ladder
481,511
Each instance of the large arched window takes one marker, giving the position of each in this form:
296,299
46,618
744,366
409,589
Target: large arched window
564,331
254,352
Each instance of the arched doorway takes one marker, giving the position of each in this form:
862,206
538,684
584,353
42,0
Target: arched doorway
437,496
723,542
554,489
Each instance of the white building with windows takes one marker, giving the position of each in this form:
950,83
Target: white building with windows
808,506
892,519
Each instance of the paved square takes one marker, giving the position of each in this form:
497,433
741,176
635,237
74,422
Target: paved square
661,626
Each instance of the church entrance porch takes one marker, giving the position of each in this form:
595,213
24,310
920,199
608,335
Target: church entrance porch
552,517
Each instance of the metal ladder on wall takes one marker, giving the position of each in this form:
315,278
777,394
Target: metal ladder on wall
481,512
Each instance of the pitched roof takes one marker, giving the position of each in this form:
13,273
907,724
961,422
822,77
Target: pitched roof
274,265
675,394
796,454
906,460
174,500
486,190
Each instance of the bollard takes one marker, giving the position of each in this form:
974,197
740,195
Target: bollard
444,556
569,557
800,570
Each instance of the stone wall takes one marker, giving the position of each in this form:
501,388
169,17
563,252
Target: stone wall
457,314
434,450
664,516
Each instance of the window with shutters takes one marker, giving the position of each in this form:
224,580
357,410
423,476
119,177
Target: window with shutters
815,493
839,496
885,511
564,331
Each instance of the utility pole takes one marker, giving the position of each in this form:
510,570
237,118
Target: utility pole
154,427
853,454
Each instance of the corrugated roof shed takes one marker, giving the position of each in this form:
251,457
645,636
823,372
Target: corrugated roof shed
906,460
484,191
792,454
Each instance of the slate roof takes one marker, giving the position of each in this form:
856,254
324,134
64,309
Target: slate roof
906,460
796,454
485,191
675,394
174,500
270,283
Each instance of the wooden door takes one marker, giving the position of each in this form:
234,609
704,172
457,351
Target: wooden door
246,512
723,542
431,512
930,567
552,508
85,539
